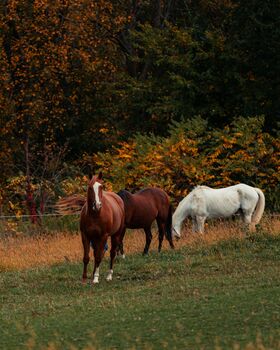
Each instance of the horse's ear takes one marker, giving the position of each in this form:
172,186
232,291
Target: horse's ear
89,171
100,175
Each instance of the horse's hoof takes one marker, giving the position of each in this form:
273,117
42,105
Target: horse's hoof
109,276
84,281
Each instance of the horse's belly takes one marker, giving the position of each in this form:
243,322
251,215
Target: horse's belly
117,222
220,214
141,219
117,217
223,210
139,223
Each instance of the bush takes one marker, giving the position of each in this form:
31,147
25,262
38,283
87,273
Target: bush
194,154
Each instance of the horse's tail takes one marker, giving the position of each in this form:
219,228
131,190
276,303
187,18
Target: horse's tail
70,205
257,215
168,227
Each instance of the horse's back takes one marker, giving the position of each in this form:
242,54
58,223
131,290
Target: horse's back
223,201
209,202
247,194
144,206
153,194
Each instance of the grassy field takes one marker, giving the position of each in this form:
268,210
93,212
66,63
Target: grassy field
207,294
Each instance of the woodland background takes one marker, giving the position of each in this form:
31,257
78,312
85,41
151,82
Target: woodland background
171,93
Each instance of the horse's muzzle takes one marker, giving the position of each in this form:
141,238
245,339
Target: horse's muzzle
175,234
97,206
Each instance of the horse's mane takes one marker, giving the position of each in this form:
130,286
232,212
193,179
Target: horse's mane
125,195
201,187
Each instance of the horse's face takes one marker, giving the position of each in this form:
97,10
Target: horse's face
95,187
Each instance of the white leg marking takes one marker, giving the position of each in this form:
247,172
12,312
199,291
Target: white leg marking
110,275
96,276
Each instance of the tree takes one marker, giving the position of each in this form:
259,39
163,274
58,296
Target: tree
53,56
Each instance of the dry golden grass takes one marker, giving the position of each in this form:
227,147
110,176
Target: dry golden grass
25,252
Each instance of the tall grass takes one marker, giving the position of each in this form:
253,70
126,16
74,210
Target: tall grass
24,250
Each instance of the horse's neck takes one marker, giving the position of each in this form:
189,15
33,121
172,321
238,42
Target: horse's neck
127,197
89,200
181,212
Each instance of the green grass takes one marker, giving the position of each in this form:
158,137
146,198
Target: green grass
222,296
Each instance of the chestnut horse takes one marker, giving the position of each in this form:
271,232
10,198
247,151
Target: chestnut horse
102,216
145,206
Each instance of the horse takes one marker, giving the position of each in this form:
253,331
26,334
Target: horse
145,206
102,216
204,202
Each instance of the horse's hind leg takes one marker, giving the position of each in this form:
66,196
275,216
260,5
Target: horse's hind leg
160,233
148,240
247,218
86,245
120,249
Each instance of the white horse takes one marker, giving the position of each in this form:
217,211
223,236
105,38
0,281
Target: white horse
204,202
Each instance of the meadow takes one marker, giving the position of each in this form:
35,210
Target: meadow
214,291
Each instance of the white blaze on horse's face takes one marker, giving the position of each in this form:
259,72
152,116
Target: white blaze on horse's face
97,205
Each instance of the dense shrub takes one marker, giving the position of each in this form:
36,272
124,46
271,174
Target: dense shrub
194,154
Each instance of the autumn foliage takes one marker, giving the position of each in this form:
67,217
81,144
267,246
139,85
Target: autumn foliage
194,154
117,85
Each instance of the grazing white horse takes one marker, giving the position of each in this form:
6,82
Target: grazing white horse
204,202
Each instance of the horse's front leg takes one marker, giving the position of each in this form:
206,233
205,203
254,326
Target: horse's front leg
99,245
200,220
247,217
86,245
194,224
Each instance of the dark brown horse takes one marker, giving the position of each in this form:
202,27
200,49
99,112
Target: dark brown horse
145,206
102,216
